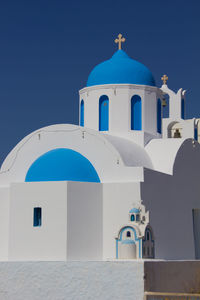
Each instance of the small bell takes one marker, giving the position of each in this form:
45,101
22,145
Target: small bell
164,103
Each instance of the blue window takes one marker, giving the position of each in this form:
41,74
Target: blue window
136,113
132,218
37,216
137,218
82,113
182,108
159,116
148,236
104,113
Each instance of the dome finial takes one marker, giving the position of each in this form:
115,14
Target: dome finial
164,78
120,40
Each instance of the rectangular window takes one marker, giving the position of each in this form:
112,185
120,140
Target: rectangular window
37,216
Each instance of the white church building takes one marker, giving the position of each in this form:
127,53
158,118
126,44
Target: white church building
124,184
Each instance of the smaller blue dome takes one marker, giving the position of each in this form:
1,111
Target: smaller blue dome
120,69
134,211
62,164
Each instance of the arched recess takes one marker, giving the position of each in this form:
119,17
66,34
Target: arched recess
159,116
182,108
104,113
128,244
82,113
165,105
148,244
174,130
136,113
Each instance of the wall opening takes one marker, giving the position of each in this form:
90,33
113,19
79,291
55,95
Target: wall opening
159,116
136,113
37,216
165,105
82,113
104,113
182,108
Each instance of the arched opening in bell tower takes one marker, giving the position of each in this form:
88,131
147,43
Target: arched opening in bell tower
104,113
136,113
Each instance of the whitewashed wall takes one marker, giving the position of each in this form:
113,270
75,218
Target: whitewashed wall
84,221
118,200
49,241
71,280
4,222
170,200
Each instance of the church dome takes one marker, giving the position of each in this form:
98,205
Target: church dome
120,69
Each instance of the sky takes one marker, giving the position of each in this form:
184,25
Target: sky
49,47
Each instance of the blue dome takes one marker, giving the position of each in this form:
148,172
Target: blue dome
120,69
62,165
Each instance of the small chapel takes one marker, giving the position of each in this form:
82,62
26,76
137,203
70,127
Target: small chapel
123,184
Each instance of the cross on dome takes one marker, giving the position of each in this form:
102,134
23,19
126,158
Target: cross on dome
164,78
119,41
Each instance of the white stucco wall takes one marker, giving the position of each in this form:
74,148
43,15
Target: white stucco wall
4,222
84,221
71,280
49,241
118,200
170,200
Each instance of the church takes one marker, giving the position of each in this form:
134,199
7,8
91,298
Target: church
124,184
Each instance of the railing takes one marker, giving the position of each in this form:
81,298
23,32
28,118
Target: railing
170,296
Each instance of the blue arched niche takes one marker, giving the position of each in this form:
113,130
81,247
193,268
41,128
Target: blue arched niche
182,108
159,116
82,113
136,113
62,165
104,113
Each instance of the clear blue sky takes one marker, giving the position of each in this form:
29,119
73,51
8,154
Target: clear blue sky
48,48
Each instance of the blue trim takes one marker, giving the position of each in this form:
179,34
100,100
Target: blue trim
134,210
136,113
82,113
182,108
159,116
103,113
128,242
116,249
62,164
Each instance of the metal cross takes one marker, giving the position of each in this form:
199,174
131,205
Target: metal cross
164,79
120,40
